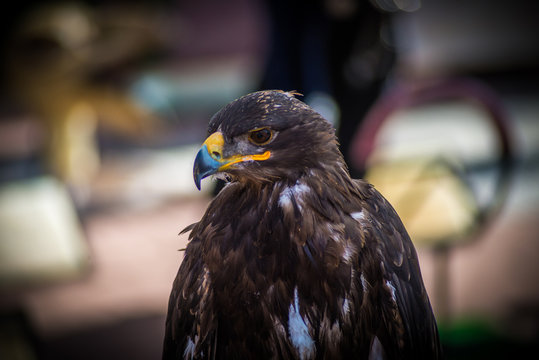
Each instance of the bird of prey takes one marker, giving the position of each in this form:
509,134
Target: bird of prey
293,259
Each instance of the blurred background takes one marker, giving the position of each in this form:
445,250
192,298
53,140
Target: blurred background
103,105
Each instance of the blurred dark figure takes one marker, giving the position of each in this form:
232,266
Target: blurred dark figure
299,44
330,50
362,57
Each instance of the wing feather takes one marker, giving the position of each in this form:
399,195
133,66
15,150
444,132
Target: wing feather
190,327
390,265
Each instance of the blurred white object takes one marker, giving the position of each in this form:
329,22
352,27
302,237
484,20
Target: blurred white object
40,235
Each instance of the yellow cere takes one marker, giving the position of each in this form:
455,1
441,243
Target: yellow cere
215,143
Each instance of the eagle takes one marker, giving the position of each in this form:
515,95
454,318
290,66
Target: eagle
293,259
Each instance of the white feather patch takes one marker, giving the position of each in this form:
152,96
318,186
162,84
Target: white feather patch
348,253
189,351
359,216
363,282
389,284
298,330
296,191
345,307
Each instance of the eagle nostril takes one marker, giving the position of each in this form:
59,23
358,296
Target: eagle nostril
216,155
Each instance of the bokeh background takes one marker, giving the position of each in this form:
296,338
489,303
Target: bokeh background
103,105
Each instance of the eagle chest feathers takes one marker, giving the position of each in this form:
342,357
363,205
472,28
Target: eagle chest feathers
293,259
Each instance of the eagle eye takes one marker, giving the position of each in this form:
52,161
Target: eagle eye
260,136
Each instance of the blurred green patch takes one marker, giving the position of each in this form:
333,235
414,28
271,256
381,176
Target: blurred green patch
480,338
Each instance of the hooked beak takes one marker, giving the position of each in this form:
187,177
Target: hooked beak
209,159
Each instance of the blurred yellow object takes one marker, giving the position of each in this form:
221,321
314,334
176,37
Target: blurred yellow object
54,62
433,202
40,235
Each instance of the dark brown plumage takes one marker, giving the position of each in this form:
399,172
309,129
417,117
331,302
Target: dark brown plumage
293,259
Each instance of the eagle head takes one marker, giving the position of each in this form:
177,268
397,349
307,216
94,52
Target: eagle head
266,136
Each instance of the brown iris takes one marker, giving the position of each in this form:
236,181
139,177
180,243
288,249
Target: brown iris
260,136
